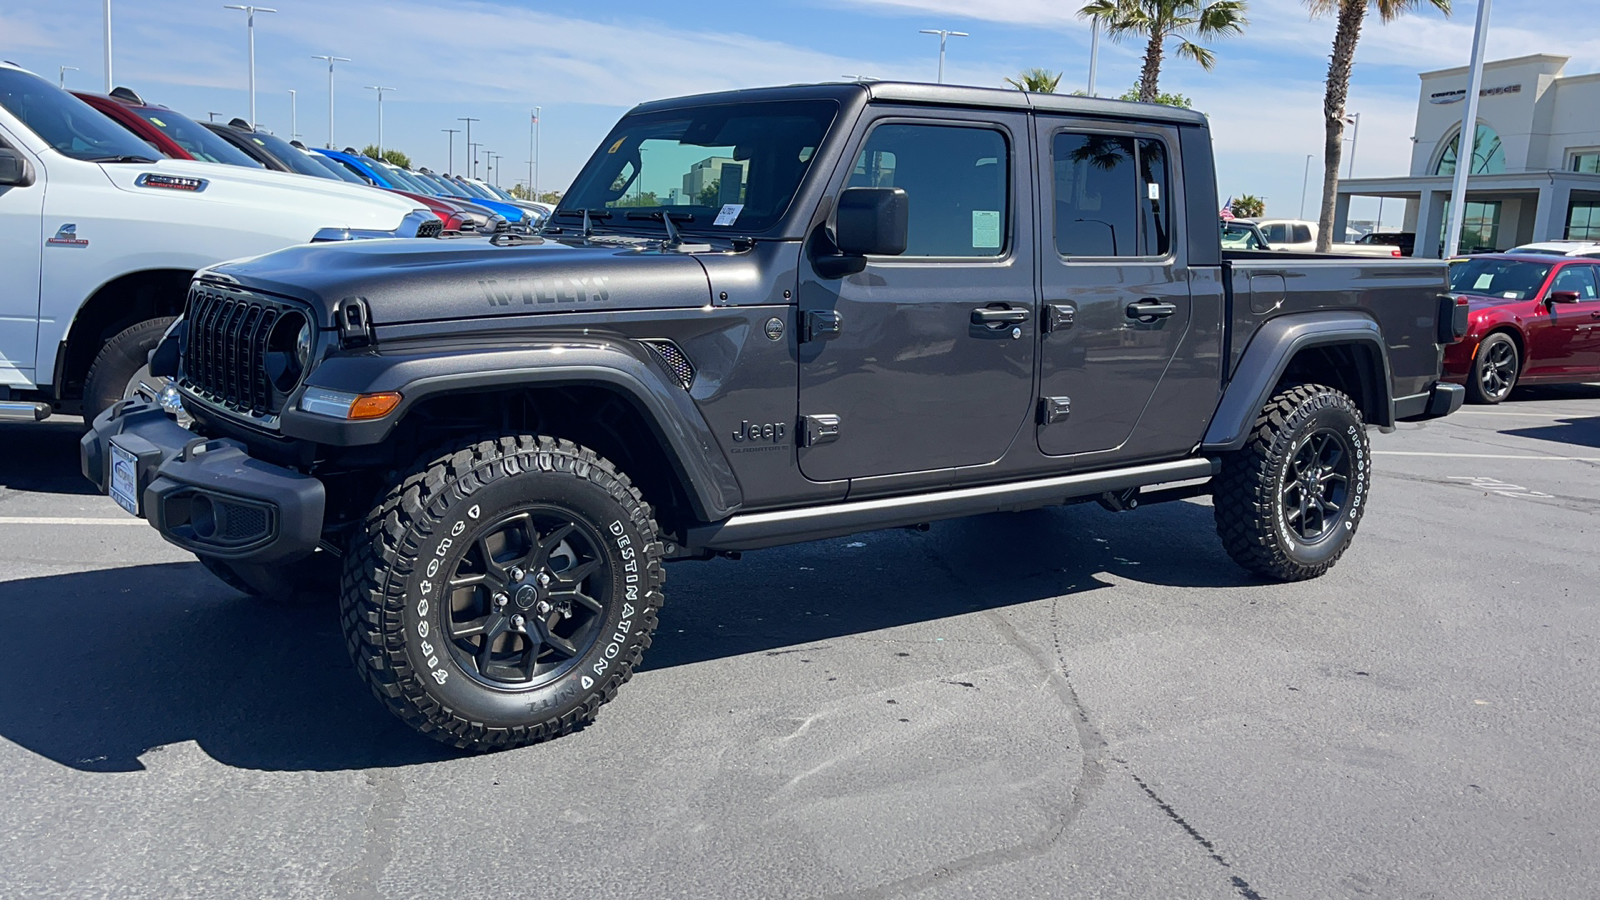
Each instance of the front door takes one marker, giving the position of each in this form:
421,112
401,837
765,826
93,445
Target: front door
21,218
1567,340
1115,282
925,361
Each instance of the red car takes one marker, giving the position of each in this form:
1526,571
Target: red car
1534,319
174,135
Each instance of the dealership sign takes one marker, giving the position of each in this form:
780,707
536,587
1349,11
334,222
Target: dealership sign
1444,97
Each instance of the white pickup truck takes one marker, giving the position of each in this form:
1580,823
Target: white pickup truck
98,241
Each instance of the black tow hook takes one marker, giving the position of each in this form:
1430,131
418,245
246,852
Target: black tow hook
1120,501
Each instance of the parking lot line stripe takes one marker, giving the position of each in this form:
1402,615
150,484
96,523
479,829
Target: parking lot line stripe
1506,412
1488,456
68,520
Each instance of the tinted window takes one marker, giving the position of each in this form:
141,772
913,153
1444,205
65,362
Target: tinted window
286,153
196,140
333,166
1302,234
955,181
1112,196
71,126
1509,279
1276,233
1578,279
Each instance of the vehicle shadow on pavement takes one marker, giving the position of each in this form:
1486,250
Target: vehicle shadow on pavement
802,595
1582,431
110,666
42,458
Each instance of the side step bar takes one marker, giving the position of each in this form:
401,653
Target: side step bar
753,531
18,411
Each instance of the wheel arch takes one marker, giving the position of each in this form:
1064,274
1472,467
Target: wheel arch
1342,350
124,301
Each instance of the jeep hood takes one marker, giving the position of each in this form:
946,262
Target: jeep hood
421,280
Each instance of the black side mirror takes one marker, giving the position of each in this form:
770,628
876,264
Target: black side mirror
872,221
1562,297
14,170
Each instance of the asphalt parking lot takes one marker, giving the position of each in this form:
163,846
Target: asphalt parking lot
1064,703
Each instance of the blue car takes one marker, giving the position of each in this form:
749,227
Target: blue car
385,175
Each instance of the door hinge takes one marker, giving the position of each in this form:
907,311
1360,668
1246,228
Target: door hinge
816,430
355,323
820,324
1060,317
1054,409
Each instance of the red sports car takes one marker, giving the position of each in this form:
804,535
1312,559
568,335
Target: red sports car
175,135
1535,319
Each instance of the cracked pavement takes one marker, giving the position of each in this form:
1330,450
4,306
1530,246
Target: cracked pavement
1064,702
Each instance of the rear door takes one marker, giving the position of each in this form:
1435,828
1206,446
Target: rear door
924,361
1115,281
21,242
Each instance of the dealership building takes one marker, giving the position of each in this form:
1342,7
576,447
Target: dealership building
1535,172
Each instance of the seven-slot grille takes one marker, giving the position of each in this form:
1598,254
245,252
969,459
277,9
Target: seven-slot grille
430,228
225,358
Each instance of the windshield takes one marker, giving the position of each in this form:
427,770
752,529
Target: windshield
71,126
285,153
717,166
437,185
334,166
468,189
196,140
1508,279
501,193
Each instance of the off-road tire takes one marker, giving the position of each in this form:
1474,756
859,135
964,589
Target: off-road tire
1250,496
400,621
1499,351
118,362
306,582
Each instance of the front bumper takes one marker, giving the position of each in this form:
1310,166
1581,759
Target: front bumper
209,497
1440,401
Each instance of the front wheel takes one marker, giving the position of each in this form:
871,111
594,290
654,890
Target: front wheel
1287,504
503,592
1494,369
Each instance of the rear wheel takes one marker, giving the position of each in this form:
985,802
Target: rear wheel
1287,504
1494,369
122,368
503,592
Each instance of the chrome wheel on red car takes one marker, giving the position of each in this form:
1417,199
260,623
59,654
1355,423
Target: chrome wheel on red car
1495,370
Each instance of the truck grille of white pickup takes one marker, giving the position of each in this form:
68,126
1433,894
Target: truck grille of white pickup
225,358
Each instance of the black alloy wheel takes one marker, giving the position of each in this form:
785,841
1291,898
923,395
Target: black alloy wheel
1316,487
528,599
1495,371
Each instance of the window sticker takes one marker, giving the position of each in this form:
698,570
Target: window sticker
1483,282
157,122
985,229
1154,189
729,213
617,146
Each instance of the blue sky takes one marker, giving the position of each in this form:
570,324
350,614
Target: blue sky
585,64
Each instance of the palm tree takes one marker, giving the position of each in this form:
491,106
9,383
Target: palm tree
1158,20
1249,206
1351,13
1036,80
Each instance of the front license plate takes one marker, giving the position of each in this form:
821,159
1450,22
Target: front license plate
125,479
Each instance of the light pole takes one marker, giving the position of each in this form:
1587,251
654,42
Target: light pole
472,159
1306,180
64,71
250,27
1466,142
1094,57
1355,133
533,155
331,60
294,116
108,46
450,166
380,90
944,35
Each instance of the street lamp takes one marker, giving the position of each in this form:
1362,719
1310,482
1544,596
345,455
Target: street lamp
533,155
1466,144
1304,182
250,27
294,116
472,159
380,90
108,46
1094,56
944,35
331,60
450,167
1354,120
64,71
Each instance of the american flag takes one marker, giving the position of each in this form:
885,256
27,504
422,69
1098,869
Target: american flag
1227,211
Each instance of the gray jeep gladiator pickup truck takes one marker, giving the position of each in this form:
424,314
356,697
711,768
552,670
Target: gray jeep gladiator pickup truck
758,318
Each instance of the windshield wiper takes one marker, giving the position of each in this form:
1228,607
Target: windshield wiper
665,217
120,159
588,214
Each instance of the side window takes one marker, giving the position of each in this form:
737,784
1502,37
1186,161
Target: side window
957,184
1579,279
1276,233
1302,234
1112,195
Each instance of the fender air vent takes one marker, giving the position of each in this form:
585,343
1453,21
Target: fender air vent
673,358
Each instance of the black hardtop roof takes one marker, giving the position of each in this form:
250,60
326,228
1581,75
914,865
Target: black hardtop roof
939,95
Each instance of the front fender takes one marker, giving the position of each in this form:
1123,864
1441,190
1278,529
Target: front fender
620,364
1267,357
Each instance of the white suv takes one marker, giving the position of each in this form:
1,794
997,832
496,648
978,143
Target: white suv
98,241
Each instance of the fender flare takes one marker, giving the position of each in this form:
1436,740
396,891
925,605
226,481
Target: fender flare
1267,357
619,364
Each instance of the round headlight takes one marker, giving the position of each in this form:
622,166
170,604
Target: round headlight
302,346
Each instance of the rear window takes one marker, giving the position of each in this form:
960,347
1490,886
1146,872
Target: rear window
1507,279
